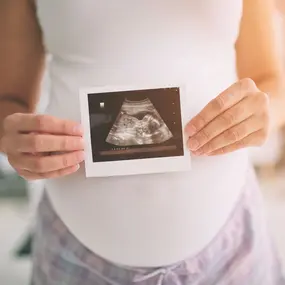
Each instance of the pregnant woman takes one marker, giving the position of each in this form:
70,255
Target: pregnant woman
205,226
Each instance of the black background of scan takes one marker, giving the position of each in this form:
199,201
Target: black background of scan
162,99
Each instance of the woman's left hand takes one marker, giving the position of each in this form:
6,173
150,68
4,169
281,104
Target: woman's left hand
238,118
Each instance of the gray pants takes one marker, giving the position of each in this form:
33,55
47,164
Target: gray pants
240,254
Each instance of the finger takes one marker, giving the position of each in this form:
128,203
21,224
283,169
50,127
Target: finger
38,143
254,139
234,134
221,103
42,124
231,117
42,164
48,175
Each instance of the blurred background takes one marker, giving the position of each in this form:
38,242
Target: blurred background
19,199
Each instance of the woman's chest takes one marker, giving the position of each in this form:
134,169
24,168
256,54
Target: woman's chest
89,26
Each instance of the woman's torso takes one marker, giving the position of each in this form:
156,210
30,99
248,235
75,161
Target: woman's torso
156,219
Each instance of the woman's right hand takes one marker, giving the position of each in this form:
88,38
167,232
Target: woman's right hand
41,146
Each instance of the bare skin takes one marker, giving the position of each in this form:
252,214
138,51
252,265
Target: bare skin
237,118
281,6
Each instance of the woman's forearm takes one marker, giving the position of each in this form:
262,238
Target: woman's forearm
22,58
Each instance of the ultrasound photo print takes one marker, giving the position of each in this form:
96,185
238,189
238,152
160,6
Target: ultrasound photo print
136,124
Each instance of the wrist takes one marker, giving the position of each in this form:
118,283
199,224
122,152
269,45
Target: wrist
8,108
277,116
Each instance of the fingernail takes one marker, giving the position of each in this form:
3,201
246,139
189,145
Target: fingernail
191,130
193,144
78,129
81,156
198,152
81,143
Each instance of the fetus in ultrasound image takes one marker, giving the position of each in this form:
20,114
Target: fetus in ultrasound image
136,124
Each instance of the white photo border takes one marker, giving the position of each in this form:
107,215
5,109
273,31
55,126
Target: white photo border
134,166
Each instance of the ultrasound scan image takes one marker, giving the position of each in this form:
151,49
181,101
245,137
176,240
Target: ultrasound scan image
135,124
138,123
